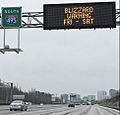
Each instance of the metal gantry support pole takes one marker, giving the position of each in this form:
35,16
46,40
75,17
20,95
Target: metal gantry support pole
18,38
6,48
4,38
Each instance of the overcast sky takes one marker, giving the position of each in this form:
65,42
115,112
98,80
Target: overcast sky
78,61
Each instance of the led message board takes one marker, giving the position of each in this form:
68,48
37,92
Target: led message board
79,15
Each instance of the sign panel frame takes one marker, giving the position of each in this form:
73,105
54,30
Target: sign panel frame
53,19
11,17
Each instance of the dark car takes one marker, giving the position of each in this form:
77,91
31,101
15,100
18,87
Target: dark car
71,105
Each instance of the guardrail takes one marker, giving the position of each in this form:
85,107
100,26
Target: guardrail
117,108
113,107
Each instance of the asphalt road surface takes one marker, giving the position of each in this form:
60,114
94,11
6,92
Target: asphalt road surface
61,110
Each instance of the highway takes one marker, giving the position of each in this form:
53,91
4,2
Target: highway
61,110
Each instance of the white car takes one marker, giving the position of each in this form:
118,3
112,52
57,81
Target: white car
28,104
18,105
41,104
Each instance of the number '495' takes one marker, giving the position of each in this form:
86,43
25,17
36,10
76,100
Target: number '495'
11,19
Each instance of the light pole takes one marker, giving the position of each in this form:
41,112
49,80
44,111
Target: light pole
11,92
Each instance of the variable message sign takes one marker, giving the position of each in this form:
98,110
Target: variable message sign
11,17
79,15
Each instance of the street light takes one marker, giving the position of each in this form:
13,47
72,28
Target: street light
11,92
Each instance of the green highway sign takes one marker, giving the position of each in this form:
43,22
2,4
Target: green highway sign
11,17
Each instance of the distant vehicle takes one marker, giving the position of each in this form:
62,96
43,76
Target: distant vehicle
72,100
18,105
71,105
83,103
41,104
77,103
88,103
28,104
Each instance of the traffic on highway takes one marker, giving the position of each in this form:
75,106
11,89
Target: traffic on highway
61,110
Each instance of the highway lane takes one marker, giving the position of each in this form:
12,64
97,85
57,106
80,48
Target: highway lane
64,110
53,109
3,107
98,110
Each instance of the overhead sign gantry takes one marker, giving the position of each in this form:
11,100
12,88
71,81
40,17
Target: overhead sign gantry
60,16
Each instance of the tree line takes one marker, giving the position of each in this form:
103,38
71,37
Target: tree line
113,102
34,96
